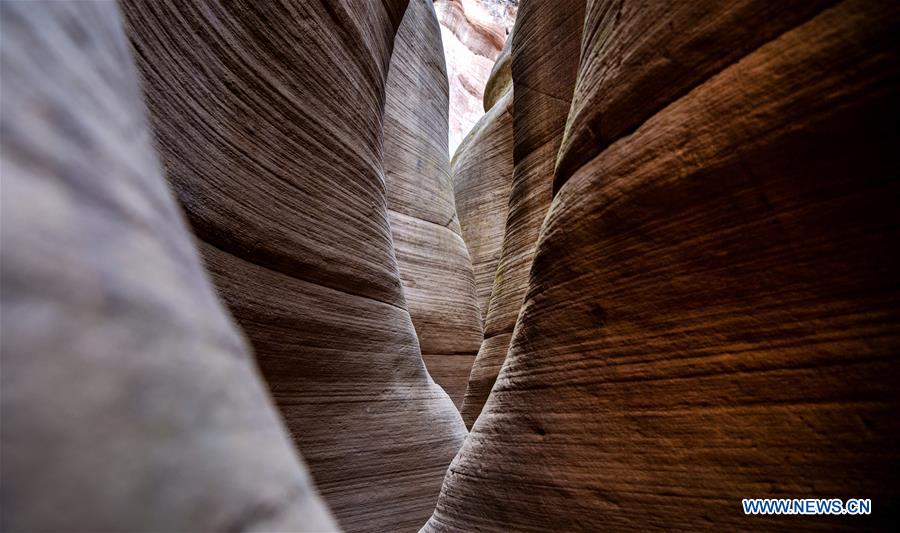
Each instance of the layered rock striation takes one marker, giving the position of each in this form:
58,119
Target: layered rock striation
680,234
435,268
712,308
482,175
543,69
129,399
482,35
639,59
268,118
473,34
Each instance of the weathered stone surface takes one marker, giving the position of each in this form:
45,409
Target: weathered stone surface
500,78
645,56
269,120
708,310
467,72
435,269
479,35
129,399
482,176
473,33
546,41
712,313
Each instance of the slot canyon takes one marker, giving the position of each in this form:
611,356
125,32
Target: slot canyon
448,265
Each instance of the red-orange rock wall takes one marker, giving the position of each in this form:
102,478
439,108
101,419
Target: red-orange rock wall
712,309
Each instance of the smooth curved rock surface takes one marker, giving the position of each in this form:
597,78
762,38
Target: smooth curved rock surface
639,58
129,400
500,78
268,117
482,175
435,269
546,44
712,313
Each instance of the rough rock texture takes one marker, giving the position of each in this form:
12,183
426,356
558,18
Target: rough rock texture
713,307
473,32
482,175
547,44
129,399
269,120
435,269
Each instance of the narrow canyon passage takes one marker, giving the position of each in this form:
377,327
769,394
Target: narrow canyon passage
434,263
452,265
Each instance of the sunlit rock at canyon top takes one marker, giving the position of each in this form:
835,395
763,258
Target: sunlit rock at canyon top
474,32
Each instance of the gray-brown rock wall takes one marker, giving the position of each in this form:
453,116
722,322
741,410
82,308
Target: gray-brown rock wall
435,268
269,119
482,169
130,401
482,175
542,69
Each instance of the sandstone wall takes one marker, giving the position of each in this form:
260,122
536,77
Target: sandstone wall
639,59
712,308
473,34
434,264
482,175
480,36
500,78
269,121
130,401
682,221
542,69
